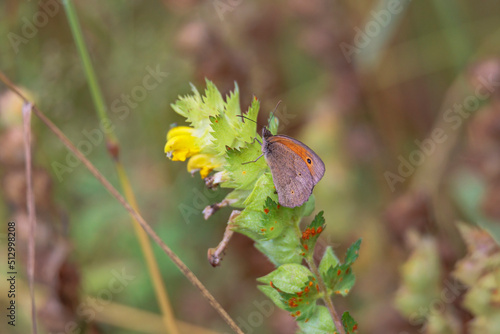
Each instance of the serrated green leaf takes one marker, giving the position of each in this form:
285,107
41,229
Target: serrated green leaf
350,325
352,253
275,218
264,188
227,127
289,278
262,217
244,176
283,249
250,222
340,279
319,323
311,234
212,101
297,288
344,286
232,105
213,119
301,304
272,294
328,260
223,133
196,108
318,220
304,311
247,128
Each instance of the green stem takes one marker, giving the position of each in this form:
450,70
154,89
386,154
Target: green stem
113,149
326,297
322,288
95,90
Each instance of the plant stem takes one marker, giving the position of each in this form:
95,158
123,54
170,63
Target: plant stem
113,149
323,289
95,90
134,213
328,301
30,203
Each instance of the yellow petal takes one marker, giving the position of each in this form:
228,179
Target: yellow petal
205,171
180,147
204,163
180,131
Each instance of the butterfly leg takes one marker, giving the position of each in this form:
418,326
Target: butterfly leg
249,162
255,140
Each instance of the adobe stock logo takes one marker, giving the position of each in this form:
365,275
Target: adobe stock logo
255,319
373,27
199,201
449,294
29,29
222,6
452,119
122,107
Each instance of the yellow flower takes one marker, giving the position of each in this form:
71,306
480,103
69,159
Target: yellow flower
204,163
181,144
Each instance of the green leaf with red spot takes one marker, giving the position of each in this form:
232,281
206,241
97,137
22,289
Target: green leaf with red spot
301,304
340,279
263,218
297,288
243,176
350,325
291,286
353,252
288,277
223,132
319,323
311,234
264,188
249,222
283,249
272,294
328,260
274,219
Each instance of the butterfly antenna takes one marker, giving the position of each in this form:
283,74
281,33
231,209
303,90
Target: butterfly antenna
242,116
272,112
275,108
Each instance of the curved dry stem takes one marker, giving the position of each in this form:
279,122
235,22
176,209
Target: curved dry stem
30,203
136,215
112,144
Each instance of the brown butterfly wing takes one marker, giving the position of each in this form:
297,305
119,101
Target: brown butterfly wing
313,161
291,175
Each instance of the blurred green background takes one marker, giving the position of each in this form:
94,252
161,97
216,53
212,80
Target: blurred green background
359,83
